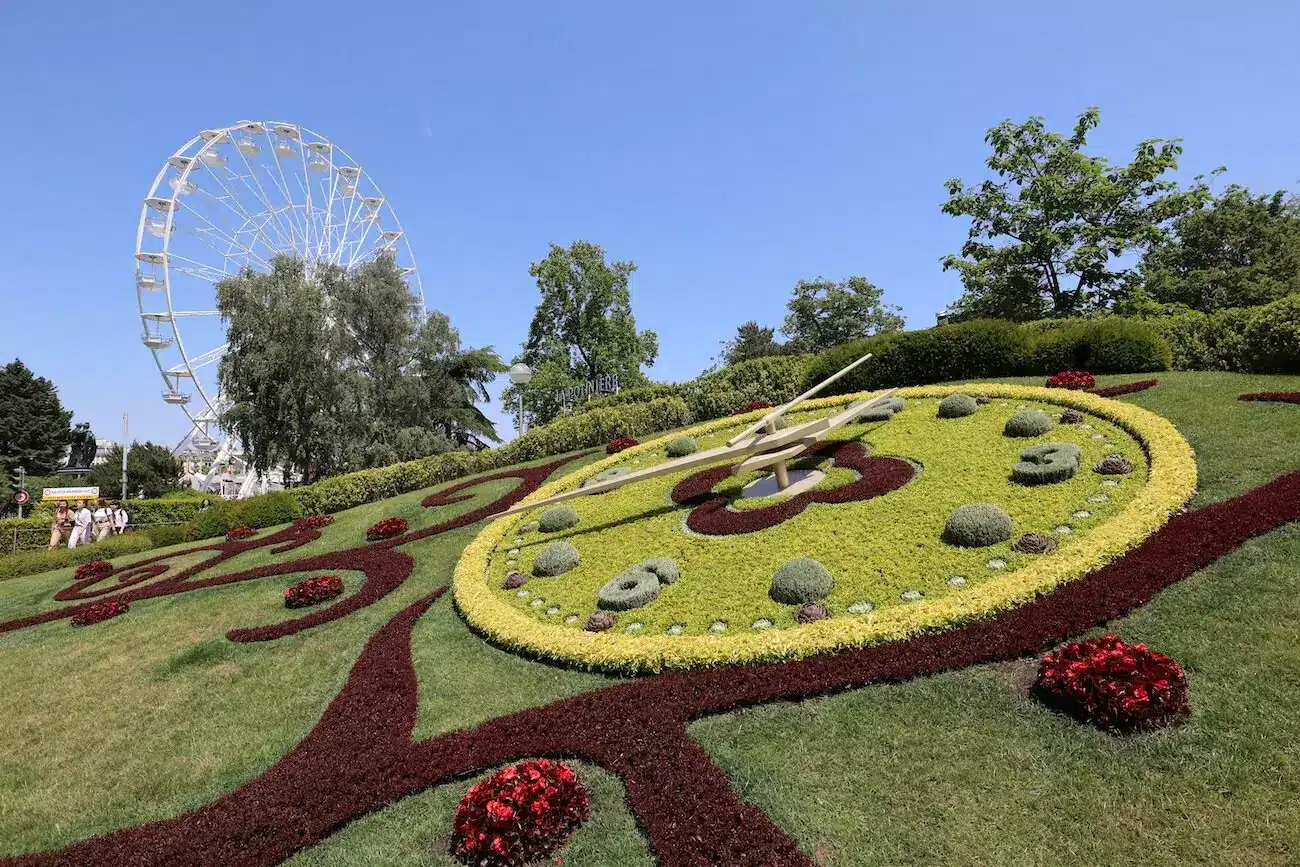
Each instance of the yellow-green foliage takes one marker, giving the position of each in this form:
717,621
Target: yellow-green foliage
876,550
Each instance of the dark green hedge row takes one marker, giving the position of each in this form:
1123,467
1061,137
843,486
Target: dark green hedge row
1264,339
991,347
34,562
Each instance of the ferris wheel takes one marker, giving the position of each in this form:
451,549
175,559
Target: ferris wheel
233,198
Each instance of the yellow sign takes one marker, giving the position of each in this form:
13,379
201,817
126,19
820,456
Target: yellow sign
71,494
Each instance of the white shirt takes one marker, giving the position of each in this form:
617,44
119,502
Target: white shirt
103,515
83,518
120,517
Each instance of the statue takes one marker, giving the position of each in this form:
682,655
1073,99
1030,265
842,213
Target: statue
83,448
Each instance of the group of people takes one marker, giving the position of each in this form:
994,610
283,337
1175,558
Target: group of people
83,525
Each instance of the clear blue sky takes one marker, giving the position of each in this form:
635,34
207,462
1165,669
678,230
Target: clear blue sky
728,148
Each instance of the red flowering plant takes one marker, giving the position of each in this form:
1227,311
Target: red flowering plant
315,522
97,569
618,445
1116,686
386,529
519,814
313,591
98,611
753,405
1075,380
239,533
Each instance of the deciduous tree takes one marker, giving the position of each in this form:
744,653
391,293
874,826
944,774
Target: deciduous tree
824,313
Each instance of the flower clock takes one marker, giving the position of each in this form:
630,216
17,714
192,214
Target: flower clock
1075,380
386,529
313,591
914,517
1116,686
520,814
239,534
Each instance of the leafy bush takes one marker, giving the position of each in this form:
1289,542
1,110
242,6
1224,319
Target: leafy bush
681,447
800,581
1028,423
1116,686
1264,339
555,559
1047,464
1109,345
631,589
773,379
1272,337
557,518
640,394
165,535
957,406
33,562
977,525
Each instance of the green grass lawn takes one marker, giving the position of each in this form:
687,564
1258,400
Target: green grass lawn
156,712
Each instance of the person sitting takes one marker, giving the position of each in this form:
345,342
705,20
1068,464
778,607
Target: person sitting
120,519
61,528
103,517
81,525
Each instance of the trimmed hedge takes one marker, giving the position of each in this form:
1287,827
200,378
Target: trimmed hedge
772,379
35,562
265,510
1264,339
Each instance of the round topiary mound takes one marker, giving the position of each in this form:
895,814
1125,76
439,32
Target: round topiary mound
514,580
681,447
632,589
1028,423
983,400
875,413
662,568
896,404
977,525
811,613
599,621
1116,686
1034,543
1113,465
957,406
557,518
1071,416
555,559
1047,464
800,581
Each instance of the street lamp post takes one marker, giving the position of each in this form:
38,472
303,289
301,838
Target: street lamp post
521,375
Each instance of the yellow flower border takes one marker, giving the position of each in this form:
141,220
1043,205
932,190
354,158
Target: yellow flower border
1171,483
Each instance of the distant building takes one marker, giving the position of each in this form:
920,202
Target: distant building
101,452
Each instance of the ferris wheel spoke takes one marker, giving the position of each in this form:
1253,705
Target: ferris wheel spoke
230,241
261,195
236,205
288,197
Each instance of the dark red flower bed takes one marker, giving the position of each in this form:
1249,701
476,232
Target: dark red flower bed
750,407
95,570
360,756
240,533
1072,379
619,445
96,612
1273,396
316,522
1126,388
712,517
387,529
1116,686
313,591
520,814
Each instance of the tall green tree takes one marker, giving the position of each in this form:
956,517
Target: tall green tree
1238,251
34,427
583,327
150,467
824,313
334,369
751,341
1047,230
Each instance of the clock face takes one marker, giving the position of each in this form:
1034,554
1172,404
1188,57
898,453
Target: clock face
707,565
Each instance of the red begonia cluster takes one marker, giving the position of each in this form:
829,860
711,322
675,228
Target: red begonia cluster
1118,687
97,570
519,814
239,533
618,445
315,522
313,591
387,529
1076,380
753,405
98,611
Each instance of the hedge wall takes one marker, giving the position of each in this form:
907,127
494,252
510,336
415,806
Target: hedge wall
1263,339
774,379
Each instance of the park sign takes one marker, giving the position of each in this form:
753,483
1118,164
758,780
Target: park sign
90,492
606,383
